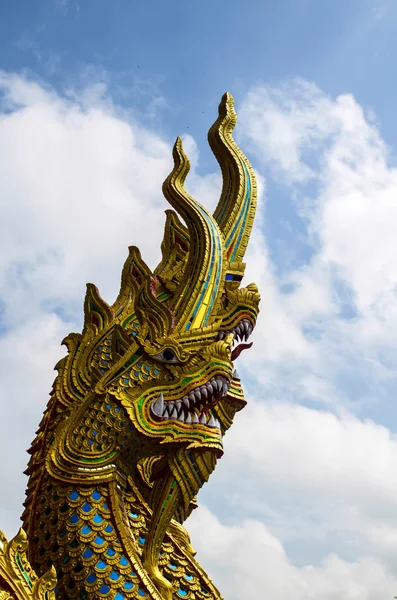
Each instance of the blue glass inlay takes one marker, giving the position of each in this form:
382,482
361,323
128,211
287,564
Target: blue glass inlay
73,496
101,564
94,433
105,506
182,592
119,596
85,530
87,553
133,515
188,577
123,561
173,566
97,519
91,578
99,541
114,576
74,518
86,507
104,589
141,592
96,495
110,552
108,528
128,585
141,539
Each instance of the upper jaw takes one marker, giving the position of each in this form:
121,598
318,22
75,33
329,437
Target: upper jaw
241,331
195,407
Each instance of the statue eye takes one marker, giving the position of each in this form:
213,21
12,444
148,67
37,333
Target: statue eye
167,355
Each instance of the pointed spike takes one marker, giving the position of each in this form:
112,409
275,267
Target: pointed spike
203,419
158,406
188,419
195,418
211,422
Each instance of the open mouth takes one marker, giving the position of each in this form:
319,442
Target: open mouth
195,408
241,332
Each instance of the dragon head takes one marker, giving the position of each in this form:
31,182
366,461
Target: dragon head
150,382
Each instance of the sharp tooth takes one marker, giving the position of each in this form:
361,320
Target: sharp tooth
225,388
186,402
192,397
235,374
197,393
246,325
203,419
219,383
195,418
188,418
217,424
174,414
158,406
204,392
210,388
221,335
178,405
211,422
181,417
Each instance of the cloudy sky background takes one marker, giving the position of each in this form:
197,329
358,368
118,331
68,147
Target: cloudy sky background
92,95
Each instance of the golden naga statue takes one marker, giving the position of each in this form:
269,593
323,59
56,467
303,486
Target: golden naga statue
139,408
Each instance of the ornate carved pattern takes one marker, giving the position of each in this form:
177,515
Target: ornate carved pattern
139,408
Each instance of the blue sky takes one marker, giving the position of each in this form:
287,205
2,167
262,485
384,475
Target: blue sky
92,96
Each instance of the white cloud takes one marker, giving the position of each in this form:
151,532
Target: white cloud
251,561
81,182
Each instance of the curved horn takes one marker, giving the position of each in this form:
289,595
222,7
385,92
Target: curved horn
236,207
203,278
